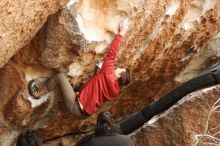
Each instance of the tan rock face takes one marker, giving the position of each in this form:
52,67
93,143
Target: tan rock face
63,41
168,42
20,21
193,122
15,107
13,93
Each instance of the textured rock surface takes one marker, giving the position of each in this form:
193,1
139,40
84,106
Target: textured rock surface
197,114
168,42
14,105
20,21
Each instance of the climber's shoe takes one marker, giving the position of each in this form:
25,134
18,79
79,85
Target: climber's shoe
36,88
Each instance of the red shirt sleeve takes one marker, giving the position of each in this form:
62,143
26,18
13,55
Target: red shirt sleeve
110,56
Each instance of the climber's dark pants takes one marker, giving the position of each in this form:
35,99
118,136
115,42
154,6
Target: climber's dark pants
68,94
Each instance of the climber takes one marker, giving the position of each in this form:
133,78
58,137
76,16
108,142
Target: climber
104,86
29,138
107,133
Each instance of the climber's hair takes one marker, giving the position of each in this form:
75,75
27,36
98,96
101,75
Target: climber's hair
29,138
125,78
106,124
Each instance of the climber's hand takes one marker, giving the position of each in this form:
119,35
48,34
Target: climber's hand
123,26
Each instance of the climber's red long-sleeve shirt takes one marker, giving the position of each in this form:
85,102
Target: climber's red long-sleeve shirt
104,85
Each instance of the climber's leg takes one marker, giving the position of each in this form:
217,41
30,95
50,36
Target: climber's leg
68,94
